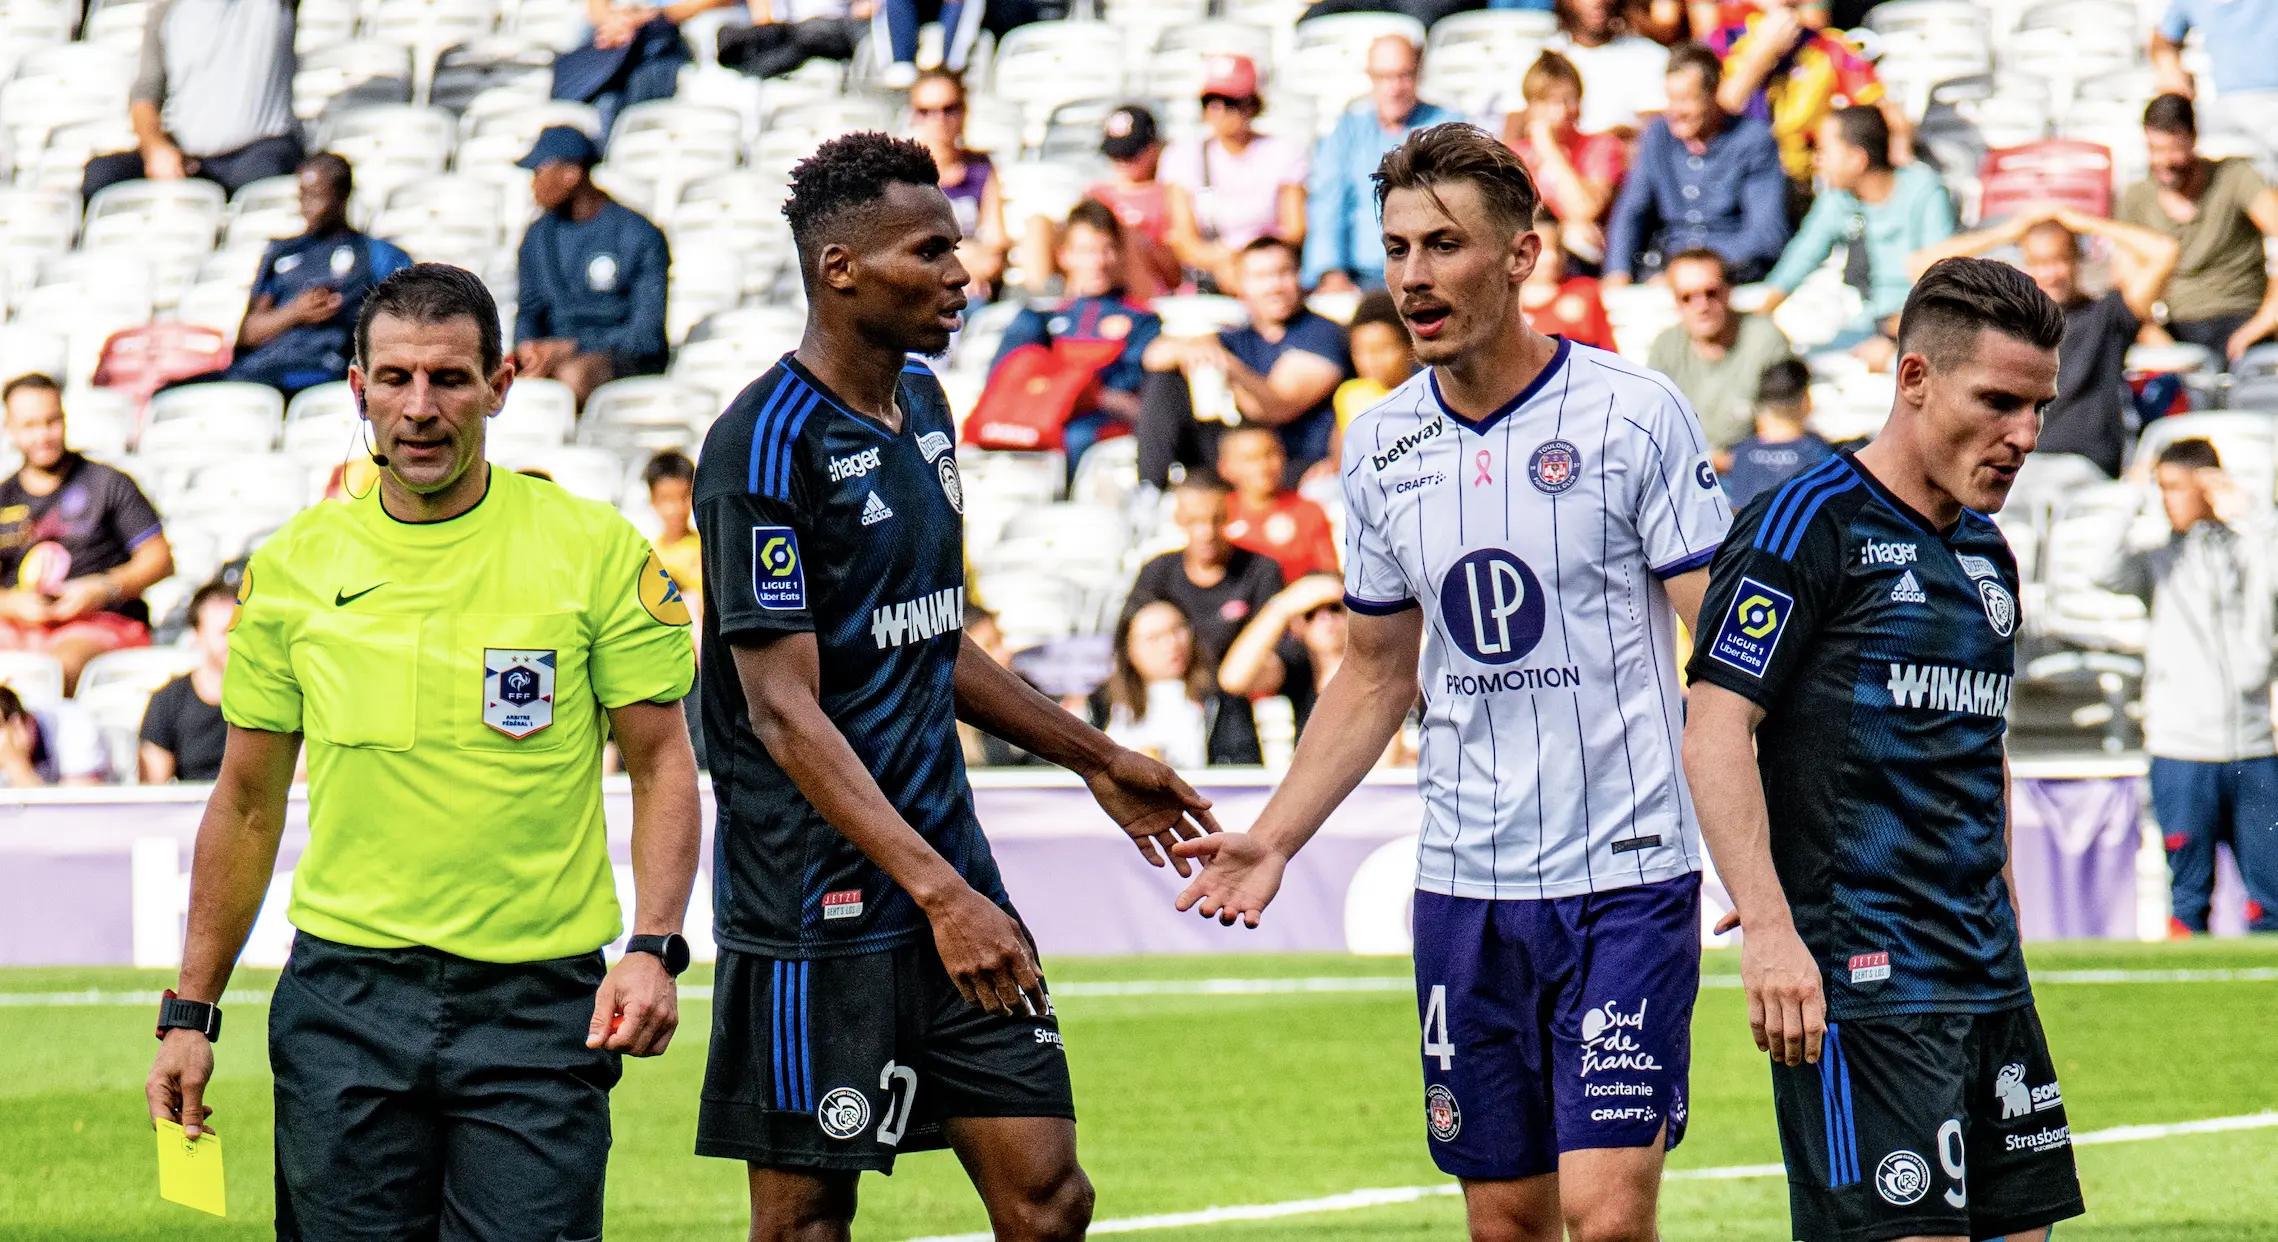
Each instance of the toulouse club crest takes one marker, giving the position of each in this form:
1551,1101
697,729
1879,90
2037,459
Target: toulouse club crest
1554,467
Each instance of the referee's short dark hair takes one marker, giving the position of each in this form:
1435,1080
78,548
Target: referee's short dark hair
1957,298
2192,454
844,179
669,464
433,293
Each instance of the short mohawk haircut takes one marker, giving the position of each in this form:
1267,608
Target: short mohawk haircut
849,173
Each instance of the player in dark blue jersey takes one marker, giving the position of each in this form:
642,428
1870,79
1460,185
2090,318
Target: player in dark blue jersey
876,993
1844,742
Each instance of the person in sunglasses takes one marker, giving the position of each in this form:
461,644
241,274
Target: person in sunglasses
1715,354
1235,185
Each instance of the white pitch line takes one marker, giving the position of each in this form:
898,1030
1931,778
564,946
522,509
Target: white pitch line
1323,985
1385,1196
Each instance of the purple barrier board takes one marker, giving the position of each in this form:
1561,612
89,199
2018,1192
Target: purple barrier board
100,877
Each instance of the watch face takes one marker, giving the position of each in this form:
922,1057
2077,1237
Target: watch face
675,953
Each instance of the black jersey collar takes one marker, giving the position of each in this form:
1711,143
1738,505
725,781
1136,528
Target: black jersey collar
1903,509
823,390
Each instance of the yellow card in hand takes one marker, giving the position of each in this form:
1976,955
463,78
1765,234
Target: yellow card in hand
190,1173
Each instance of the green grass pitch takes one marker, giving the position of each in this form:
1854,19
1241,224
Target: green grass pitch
1192,1101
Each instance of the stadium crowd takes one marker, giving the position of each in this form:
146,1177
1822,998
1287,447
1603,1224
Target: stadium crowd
1178,300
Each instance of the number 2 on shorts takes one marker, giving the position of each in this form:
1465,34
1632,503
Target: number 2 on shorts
1436,1042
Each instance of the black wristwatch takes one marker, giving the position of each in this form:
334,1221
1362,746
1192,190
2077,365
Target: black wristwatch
174,1013
670,948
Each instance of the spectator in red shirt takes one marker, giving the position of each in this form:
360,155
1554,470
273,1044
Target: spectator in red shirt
1264,517
1561,305
1141,202
1577,173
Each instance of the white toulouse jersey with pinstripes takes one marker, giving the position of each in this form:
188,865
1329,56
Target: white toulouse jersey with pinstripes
1536,541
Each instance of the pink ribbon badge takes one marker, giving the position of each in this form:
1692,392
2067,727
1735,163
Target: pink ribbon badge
1483,459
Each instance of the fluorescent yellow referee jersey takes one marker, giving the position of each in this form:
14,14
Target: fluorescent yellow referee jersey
450,678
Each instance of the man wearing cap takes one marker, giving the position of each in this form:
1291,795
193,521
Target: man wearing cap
1133,146
593,271
1343,246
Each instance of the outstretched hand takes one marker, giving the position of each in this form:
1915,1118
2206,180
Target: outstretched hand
1240,875
1154,805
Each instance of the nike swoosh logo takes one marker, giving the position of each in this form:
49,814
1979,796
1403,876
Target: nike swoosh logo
342,600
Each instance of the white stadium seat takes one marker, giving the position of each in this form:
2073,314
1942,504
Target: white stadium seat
36,677
143,669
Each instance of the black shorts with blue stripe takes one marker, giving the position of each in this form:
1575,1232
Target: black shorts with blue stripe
840,1063
1937,1124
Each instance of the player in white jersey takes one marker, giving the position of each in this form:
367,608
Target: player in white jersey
1520,518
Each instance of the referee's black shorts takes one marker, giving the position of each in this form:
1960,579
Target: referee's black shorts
421,1095
840,1063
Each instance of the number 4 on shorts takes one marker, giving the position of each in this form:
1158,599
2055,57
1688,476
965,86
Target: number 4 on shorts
1436,1042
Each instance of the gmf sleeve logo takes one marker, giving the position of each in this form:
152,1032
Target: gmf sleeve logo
778,580
1751,628
244,593
660,594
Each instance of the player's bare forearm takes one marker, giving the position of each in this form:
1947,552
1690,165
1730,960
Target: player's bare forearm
1367,698
235,856
1686,590
1728,795
782,681
667,815
994,699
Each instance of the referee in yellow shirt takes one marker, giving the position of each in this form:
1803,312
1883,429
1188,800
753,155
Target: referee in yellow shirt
455,645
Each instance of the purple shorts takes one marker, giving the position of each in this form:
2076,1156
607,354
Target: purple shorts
1556,1025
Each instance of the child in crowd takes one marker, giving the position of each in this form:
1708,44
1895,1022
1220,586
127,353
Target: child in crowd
1562,305
1781,447
1379,344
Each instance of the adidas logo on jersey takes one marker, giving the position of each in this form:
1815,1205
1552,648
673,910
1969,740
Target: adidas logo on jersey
916,620
1908,590
1944,688
875,511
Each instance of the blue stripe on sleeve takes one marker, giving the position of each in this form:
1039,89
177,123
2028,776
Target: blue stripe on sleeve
790,447
1377,607
760,427
1685,564
1776,516
780,442
1795,537
1792,519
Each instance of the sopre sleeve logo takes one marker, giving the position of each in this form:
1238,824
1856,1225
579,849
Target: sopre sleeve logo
1751,629
778,581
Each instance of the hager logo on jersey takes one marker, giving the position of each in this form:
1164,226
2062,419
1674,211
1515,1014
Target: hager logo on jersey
1751,629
